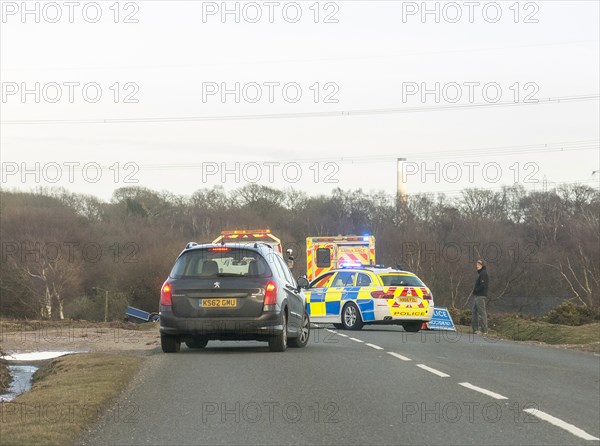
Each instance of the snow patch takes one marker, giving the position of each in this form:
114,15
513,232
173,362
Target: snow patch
35,356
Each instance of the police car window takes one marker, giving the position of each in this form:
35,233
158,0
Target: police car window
400,280
323,258
344,278
322,281
363,280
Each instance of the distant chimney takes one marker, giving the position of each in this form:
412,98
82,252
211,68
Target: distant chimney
400,180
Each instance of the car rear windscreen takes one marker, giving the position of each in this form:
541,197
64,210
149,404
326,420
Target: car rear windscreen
220,262
400,280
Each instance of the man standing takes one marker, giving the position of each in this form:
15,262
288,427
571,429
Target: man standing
479,318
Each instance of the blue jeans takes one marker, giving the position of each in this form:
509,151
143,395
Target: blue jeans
479,318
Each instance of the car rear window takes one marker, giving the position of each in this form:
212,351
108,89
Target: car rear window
220,262
400,280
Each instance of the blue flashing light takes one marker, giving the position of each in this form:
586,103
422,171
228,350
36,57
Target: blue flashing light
350,265
366,238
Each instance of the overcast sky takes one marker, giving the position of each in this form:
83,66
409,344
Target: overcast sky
319,95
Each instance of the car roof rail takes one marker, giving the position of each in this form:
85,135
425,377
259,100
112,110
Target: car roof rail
191,245
263,244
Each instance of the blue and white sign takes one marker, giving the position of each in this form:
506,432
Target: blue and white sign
441,320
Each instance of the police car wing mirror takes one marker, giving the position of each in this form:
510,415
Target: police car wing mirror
302,282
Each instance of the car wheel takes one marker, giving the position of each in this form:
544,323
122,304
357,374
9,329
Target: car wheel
196,343
339,326
412,327
169,343
302,339
351,318
278,343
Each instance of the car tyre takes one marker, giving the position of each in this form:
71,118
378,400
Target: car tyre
304,335
170,343
412,327
351,318
278,343
196,343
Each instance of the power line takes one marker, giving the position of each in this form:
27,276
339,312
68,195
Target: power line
327,114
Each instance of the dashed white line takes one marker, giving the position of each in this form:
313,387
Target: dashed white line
560,423
434,371
484,391
356,340
376,347
343,335
399,356
330,331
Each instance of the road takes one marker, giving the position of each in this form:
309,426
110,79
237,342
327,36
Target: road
379,385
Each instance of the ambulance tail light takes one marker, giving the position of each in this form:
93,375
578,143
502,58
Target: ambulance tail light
380,294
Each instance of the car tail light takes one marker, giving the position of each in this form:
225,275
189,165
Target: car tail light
165,295
380,294
270,294
220,249
427,295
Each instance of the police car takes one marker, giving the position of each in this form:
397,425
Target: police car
355,295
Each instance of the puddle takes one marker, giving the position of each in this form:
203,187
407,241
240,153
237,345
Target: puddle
21,381
21,373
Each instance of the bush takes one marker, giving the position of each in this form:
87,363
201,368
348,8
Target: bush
92,308
460,317
569,313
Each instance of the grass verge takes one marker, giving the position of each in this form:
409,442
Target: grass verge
4,375
67,395
525,330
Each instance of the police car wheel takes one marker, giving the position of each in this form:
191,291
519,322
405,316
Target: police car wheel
351,318
412,327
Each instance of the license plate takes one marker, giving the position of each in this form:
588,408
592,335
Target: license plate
218,303
407,299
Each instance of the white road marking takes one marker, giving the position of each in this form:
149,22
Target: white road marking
342,335
356,340
399,356
330,331
560,423
484,391
434,371
376,347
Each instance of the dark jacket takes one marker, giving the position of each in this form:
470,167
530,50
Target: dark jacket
481,284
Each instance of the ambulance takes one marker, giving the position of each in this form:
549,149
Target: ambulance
326,253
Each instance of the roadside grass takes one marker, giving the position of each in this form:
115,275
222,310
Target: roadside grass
554,334
68,394
4,375
584,337
12,325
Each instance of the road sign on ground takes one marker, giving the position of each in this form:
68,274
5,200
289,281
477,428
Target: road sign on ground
441,320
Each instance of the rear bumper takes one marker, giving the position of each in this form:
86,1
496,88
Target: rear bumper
384,313
262,327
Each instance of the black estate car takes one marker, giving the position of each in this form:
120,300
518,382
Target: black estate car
232,292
